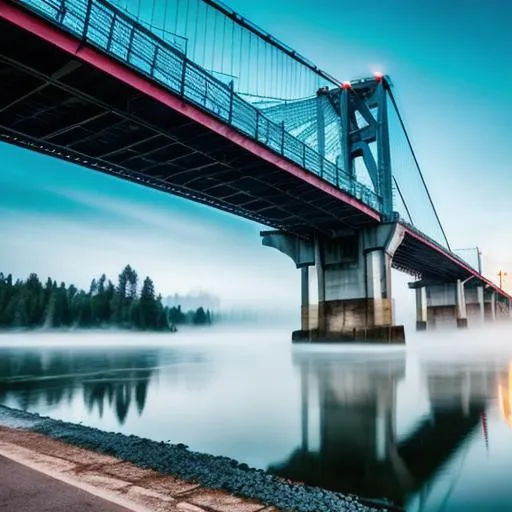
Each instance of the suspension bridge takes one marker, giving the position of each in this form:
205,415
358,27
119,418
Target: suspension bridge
190,98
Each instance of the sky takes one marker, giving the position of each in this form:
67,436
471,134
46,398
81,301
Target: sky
451,66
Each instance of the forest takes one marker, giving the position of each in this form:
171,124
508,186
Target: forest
32,304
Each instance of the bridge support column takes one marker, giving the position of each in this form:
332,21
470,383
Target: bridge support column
490,307
353,279
421,308
441,303
462,317
481,303
309,308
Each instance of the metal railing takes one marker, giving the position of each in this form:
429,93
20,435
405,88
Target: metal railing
114,32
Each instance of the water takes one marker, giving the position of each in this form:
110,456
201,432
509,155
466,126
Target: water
428,427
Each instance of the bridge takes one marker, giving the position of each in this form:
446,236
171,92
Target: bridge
192,99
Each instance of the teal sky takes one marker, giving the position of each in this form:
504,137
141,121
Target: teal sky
451,65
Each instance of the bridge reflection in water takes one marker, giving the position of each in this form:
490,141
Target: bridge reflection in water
349,429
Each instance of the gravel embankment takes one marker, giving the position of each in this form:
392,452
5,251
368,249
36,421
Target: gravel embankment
207,470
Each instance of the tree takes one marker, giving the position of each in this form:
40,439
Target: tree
147,306
126,293
20,313
176,315
200,317
29,304
34,297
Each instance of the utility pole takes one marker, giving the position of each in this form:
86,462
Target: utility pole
479,255
501,275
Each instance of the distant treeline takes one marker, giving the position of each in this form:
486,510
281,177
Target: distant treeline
32,304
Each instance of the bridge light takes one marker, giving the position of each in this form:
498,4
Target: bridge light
378,76
346,85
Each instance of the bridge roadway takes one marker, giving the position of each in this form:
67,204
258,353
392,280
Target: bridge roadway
63,96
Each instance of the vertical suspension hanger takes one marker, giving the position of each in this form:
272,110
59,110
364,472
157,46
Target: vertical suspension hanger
232,48
240,71
187,9
249,62
272,52
288,79
203,63
164,21
224,18
185,27
152,21
196,30
258,66
214,43
177,15
265,66
278,74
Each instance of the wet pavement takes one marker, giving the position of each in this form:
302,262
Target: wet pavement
23,489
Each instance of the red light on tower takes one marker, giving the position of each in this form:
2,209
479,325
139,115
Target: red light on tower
378,76
346,85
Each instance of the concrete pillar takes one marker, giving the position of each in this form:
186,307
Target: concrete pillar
378,287
309,297
481,303
304,288
421,308
492,316
462,317
353,281
440,303
355,287
322,324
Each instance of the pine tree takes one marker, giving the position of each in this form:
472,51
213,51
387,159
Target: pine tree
199,317
20,313
33,297
30,304
147,307
121,301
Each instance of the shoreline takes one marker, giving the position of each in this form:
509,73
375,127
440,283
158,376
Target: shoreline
201,478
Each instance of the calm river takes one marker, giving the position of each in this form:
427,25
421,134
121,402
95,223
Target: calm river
429,426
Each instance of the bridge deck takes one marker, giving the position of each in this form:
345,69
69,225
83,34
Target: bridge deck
71,101
68,98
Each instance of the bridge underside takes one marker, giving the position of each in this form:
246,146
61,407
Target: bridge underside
55,103
418,257
70,101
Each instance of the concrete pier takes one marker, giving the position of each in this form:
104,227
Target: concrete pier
458,303
345,284
440,304
421,308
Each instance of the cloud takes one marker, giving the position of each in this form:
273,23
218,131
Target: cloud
133,213
179,258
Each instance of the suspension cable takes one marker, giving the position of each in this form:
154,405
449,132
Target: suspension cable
403,201
393,101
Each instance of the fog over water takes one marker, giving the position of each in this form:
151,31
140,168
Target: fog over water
428,425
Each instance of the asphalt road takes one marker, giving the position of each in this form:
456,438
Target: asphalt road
25,490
